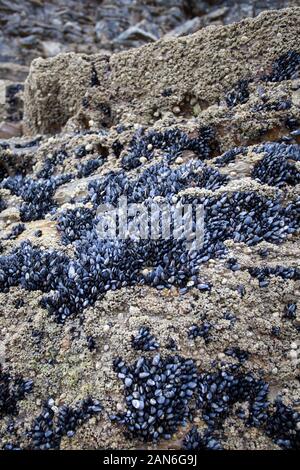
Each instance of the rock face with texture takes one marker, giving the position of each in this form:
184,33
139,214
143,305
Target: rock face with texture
184,78
142,343
103,25
110,25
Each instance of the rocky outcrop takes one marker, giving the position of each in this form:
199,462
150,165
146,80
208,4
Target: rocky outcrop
86,27
102,25
143,343
185,78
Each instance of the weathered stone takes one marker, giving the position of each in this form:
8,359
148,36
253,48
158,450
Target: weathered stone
205,65
10,129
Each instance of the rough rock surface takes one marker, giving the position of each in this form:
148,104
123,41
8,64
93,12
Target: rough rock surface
192,76
101,25
225,89
110,25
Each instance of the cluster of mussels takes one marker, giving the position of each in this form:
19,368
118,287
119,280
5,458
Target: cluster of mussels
202,331
158,180
239,94
195,441
53,423
162,394
262,274
144,340
89,167
220,390
102,264
49,427
13,388
286,67
276,167
15,232
37,194
172,143
158,394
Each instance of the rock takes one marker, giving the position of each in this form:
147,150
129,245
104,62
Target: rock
296,97
3,85
52,48
25,34
218,13
74,190
10,129
13,72
14,102
189,27
134,32
55,87
11,102
118,25
8,216
164,107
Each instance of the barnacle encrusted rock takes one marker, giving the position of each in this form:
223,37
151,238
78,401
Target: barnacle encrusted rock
143,344
185,76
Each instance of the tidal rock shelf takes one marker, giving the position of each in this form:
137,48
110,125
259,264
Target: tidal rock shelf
143,343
